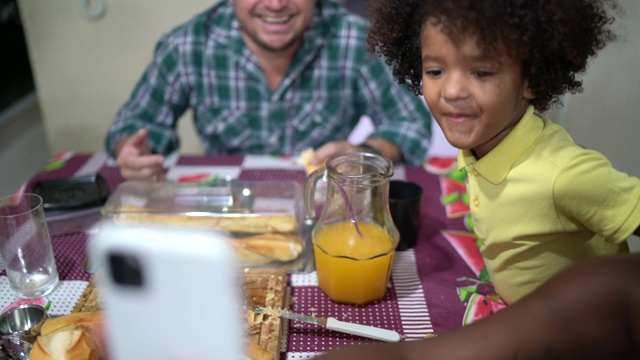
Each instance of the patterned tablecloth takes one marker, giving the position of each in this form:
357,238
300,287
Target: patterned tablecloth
430,287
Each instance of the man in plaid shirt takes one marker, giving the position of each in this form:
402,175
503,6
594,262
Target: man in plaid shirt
267,77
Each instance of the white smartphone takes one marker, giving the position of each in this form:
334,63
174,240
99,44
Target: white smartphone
167,293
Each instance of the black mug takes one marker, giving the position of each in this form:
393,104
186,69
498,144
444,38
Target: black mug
405,198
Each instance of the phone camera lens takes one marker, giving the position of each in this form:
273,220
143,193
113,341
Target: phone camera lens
125,269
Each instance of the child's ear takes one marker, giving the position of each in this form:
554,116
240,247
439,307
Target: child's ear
528,93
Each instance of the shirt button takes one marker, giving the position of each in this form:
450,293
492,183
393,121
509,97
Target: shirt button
317,119
476,202
273,140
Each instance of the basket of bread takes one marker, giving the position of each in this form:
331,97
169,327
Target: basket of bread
263,220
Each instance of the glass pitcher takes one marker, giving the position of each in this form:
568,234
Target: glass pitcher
354,239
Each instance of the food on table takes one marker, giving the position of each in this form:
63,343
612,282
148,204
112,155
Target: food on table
255,352
89,300
254,323
264,288
257,239
254,318
305,160
78,336
356,268
80,333
247,223
274,246
73,336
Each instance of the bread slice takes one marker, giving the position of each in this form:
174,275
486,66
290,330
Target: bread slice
85,320
247,223
69,337
273,246
255,352
65,344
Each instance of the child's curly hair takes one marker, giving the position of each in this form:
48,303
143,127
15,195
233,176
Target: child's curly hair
551,39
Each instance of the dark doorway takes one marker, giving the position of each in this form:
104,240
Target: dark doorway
16,79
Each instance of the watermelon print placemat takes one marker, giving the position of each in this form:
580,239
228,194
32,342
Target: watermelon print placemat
476,292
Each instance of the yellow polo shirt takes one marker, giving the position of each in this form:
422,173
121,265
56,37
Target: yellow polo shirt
539,203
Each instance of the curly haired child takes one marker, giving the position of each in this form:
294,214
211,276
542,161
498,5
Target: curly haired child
487,70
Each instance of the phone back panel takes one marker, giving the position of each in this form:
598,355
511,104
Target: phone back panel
168,293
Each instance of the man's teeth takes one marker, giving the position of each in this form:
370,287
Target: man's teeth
275,20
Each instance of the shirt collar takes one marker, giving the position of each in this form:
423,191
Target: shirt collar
496,164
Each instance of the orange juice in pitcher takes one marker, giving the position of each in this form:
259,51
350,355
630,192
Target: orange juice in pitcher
355,269
354,239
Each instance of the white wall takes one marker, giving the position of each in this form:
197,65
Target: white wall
84,69
605,116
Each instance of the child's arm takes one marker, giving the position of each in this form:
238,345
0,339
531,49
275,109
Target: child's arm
591,311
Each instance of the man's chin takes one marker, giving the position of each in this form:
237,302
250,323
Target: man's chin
279,45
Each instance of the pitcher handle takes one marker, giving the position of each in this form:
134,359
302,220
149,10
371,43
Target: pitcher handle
310,192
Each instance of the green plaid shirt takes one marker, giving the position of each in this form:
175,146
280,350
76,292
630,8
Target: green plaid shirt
332,81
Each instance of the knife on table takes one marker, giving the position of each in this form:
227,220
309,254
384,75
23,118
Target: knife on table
334,324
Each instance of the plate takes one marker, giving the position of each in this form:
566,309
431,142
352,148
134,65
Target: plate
73,193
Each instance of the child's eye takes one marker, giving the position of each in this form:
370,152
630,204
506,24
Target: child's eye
433,73
482,74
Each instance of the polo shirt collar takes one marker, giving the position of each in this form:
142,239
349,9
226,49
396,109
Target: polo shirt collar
496,164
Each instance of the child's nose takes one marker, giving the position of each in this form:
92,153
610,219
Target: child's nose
454,88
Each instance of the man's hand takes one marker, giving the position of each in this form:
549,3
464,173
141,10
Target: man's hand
384,147
135,159
331,149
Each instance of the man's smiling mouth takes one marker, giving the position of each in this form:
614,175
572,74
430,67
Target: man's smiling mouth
275,20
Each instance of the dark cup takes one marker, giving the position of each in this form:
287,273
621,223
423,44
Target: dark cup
404,204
